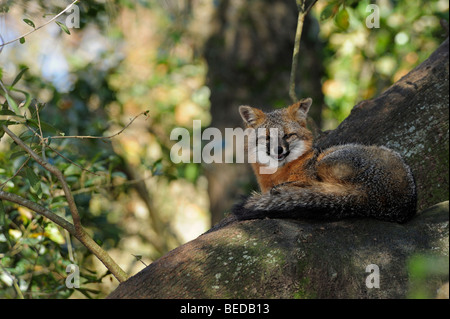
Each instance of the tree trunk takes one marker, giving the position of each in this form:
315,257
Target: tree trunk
305,259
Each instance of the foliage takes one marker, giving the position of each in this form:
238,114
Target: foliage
95,97
362,62
35,251
426,268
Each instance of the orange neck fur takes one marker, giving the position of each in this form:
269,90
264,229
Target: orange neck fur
292,171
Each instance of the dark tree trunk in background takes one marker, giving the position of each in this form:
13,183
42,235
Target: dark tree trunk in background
306,259
249,58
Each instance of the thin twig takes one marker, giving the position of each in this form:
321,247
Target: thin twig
44,142
39,27
100,137
302,12
108,185
310,6
1,40
3,87
16,173
72,162
41,137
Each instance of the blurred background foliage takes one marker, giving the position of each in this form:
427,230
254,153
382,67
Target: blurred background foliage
131,56
362,62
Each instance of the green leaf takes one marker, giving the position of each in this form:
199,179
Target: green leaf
63,27
17,154
52,232
32,178
342,19
7,123
12,104
29,22
329,11
72,170
22,40
44,125
191,172
27,101
7,112
35,182
18,77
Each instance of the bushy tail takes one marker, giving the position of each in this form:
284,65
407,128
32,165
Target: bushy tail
303,203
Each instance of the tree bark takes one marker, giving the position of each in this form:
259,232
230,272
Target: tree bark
304,259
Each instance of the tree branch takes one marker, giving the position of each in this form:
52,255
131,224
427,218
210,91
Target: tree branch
76,229
55,171
38,209
39,27
82,236
101,137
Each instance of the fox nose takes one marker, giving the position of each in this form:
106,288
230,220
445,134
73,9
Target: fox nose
280,150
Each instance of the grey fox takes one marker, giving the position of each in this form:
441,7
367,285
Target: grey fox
339,182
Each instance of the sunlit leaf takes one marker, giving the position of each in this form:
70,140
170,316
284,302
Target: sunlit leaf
15,233
25,104
63,27
52,232
25,213
12,104
191,172
342,19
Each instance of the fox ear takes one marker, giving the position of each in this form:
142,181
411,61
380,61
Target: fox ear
250,115
301,106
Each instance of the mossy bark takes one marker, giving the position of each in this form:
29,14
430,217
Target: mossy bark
274,258
302,259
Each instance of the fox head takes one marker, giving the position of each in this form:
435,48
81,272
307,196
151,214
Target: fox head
282,135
